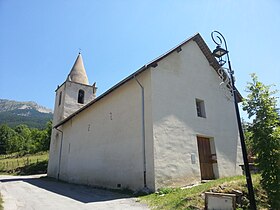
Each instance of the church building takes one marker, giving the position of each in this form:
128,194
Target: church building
170,123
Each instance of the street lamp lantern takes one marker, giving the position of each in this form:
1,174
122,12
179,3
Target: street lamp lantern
219,52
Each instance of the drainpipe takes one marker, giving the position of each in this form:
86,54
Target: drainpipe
143,131
60,150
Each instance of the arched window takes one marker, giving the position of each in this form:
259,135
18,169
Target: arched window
81,96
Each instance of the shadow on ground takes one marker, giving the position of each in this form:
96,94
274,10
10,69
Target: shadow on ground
34,168
79,193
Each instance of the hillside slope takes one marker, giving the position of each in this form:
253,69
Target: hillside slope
14,113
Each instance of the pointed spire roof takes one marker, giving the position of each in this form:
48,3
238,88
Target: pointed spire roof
78,73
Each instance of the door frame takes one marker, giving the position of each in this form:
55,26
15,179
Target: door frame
206,163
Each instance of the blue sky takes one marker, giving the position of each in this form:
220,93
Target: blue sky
39,40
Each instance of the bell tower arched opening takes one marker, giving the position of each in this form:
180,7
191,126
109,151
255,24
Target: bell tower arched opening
81,97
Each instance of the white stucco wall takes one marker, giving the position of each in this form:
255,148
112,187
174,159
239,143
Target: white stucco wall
177,82
103,145
53,163
69,96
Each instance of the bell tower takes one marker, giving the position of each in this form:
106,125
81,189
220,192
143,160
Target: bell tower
74,93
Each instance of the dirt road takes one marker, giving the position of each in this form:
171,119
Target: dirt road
33,192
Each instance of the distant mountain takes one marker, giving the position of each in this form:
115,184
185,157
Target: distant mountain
14,113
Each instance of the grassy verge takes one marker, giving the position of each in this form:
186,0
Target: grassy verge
25,165
1,203
193,198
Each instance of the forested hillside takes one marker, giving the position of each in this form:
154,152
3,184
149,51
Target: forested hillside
13,113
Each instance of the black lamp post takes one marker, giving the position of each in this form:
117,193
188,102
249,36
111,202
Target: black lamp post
219,52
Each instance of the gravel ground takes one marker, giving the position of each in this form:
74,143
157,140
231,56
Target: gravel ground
33,192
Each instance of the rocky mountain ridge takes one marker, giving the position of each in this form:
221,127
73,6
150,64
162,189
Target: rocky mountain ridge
10,105
14,113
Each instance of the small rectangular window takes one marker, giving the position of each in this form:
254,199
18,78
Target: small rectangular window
59,100
200,108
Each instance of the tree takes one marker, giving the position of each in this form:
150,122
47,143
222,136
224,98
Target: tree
6,135
36,143
47,138
10,141
248,139
265,136
25,137
24,140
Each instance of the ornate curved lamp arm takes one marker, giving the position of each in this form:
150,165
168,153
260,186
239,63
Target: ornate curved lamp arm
219,39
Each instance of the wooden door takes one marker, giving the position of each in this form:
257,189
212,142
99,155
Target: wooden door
205,158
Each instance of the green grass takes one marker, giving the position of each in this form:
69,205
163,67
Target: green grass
1,203
25,165
193,198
